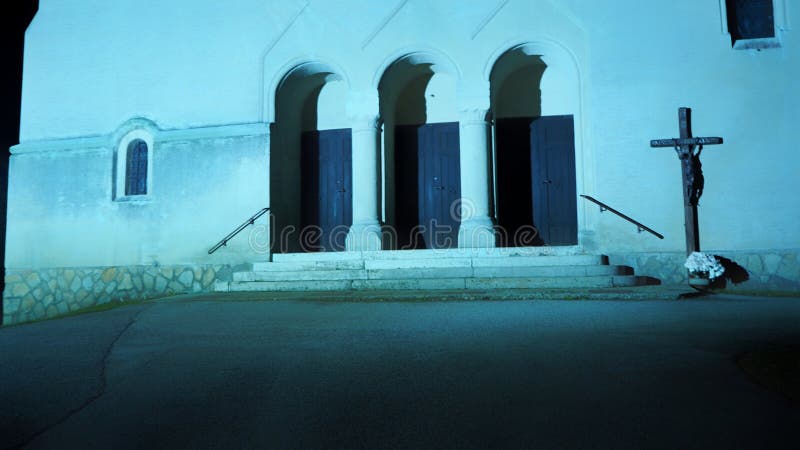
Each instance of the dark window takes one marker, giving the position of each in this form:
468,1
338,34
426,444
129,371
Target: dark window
750,19
136,168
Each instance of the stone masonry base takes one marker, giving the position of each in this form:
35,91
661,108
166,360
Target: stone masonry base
46,293
747,271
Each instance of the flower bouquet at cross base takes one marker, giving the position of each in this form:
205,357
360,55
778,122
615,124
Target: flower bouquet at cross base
704,265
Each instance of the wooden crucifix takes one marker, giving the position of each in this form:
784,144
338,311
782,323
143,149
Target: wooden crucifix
689,149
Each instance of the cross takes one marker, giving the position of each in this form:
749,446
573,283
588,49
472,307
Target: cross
692,172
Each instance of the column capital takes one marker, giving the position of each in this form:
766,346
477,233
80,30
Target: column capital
474,116
365,122
474,96
362,110
473,105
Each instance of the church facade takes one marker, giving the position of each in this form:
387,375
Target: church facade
150,130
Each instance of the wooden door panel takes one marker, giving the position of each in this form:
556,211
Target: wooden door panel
327,188
347,177
540,180
428,184
451,172
440,183
553,179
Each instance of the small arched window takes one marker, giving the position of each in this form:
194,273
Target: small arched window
136,168
133,162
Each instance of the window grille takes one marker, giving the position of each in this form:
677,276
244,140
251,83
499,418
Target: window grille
136,168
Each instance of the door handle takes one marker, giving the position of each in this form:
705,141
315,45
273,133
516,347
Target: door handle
547,181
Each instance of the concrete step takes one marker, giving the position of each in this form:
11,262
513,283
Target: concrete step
431,263
268,286
316,257
550,271
497,272
551,282
416,272
476,283
453,269
498,252
306,275
496,283
411,284
532,261
296,266
445,260
384,270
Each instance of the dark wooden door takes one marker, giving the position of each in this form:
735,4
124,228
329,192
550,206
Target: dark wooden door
428,185
327,211
555,204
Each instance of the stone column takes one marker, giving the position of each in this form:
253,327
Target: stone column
365,233
477,227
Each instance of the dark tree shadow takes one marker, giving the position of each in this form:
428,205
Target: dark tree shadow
734,273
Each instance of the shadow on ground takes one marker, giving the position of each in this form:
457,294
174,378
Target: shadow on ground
775,369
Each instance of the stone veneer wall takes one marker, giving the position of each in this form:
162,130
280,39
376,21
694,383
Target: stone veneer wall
46,293
752,271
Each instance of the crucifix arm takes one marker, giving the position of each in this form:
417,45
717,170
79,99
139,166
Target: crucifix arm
679,142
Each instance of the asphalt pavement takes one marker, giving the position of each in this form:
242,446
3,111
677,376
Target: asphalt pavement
227,371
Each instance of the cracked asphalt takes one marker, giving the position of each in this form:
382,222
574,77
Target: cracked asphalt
230,371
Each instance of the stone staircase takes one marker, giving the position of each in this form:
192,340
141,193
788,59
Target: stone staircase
471,269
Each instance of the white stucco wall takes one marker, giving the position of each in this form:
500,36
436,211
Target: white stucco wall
621,68
62,211
331,106
640,72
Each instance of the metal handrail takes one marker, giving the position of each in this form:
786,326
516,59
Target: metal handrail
639,226
250,221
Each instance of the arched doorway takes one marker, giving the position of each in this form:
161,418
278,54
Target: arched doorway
535,173
311,162
421,143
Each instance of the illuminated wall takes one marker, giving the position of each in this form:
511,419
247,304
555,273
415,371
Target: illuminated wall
621,68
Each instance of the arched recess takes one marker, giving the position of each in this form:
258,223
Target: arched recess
310,162
417,93
535,102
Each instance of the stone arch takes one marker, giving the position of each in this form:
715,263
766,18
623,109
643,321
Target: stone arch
534,84
438,60
294,125
417,92
555,53
294,68
134,123
560,61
